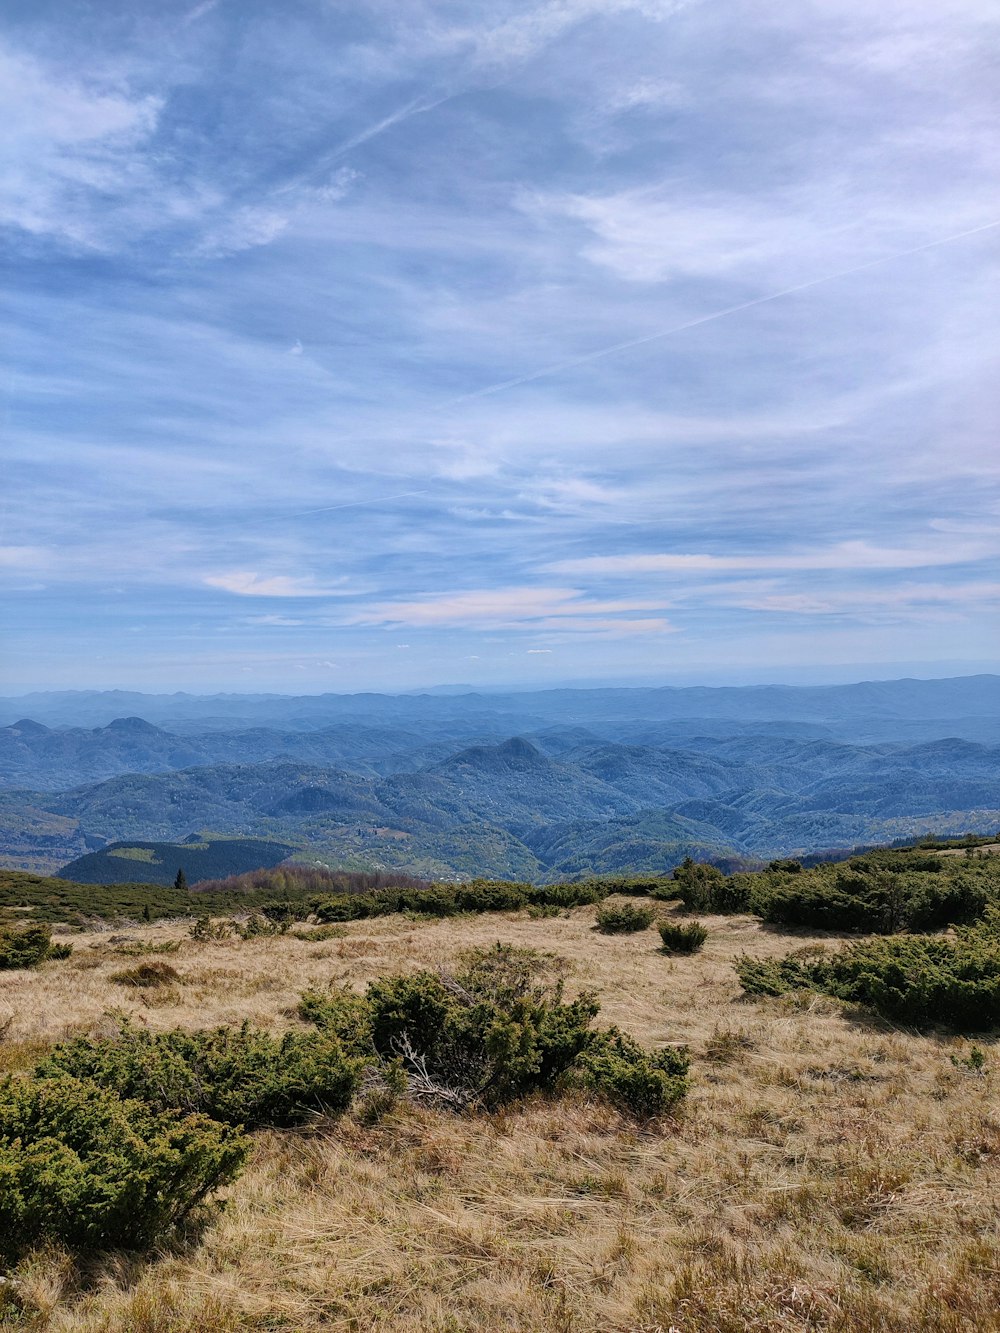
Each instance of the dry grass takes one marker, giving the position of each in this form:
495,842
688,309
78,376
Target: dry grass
824,1174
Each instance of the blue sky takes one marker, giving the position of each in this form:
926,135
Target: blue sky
378,345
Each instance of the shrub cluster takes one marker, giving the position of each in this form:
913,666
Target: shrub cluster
704,888
266,924
451,899
921,980
682,939
497,1029
865,895
630,886
82,1167
881,892
621,918
29,947
113,1142
240,1076
640,1082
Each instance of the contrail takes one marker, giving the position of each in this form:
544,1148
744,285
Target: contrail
353,504
417,107
560,366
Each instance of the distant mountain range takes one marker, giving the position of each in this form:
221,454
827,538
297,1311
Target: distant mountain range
897,710
599,780
510,809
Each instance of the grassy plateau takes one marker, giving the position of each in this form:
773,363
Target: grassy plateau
827,1170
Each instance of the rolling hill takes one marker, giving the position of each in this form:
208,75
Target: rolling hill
510,809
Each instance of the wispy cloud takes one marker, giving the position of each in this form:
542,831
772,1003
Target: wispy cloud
246,583
24,557
907,599
533,326
857,555
66,139
529,608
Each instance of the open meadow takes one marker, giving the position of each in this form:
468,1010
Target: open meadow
825,1171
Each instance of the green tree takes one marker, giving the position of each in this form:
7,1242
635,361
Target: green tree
180,883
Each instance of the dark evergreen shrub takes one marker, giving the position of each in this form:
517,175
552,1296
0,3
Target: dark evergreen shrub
262,925
640,1082
694,882
565,895
854,900
490,896
343,907
497,1029
344,1015
682,939
28,947
83,1168
483,1037
921,980
867,896
704,888
448,900
666,891
238,1075
958,899
773,976
629,886
438,900
486,896
621,918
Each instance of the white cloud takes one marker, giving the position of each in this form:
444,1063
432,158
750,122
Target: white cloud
606,181
853,555
34,558
907,599
247,583
506,608
65,139
648,239
244,229
79,164
274,620
492,48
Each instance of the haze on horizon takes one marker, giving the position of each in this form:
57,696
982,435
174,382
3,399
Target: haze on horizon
374,347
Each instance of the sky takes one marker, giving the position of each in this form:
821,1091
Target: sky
384,344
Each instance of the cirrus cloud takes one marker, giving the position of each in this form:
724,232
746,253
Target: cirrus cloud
247,583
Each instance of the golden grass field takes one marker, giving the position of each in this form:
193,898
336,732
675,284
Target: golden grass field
826,1172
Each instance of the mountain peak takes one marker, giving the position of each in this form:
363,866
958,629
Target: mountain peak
516,753
519,748
28,728
136,726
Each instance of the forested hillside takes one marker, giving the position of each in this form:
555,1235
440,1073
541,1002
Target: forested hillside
591,781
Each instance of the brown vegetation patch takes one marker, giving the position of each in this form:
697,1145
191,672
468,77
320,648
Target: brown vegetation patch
822,1175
